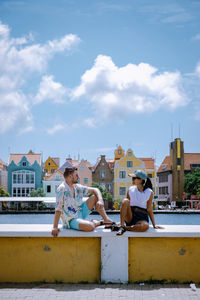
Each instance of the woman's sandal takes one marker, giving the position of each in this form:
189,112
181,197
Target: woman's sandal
108,225
121,230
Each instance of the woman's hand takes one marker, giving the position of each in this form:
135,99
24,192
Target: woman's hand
158,227
55,232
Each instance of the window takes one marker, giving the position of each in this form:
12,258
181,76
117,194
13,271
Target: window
129,154
48,189
24,163
149,175
122,191
15,179
163,190
109,187
49,163
129,164
102,174
52,170
119,152
163,178
14,192
102,184
122,174
85,180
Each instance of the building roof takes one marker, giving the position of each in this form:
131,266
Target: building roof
69,163
189,159
30,157
3,165
56,160
165,165
110,162
148,162
49,177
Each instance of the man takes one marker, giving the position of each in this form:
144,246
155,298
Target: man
71,207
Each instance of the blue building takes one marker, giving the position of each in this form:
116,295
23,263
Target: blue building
24,174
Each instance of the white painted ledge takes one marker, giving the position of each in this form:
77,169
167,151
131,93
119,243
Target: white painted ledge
44,230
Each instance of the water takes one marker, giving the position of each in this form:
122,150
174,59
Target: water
162,219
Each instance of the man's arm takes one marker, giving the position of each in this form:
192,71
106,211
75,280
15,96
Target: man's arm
55,229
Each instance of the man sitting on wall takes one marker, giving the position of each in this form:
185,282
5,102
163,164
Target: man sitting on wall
71,207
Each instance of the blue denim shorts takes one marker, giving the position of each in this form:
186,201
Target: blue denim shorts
82,215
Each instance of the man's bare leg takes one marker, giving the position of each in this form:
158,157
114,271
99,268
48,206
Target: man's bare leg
91,203
86,225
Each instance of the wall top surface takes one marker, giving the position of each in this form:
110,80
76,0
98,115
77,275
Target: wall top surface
44,230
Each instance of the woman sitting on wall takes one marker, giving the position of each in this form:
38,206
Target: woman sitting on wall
137,207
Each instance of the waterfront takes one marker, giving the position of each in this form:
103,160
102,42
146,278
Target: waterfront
163,219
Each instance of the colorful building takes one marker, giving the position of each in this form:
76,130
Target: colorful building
51,165
24,174
103,173
3,175
129,163
51,183
85,173
172,170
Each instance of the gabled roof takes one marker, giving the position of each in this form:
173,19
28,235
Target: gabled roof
148,162
3,165
191,158
30,157
165,165
56,160
69,163
110,162
50,177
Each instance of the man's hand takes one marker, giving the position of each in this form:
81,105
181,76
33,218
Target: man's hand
55,232
99,205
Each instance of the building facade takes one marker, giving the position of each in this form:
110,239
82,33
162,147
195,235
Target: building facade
103,174
129,163
3,175
51,165
85,173
24,174
51,183
173,169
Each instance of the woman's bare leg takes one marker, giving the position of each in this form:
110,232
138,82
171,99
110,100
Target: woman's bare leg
125,212
140,226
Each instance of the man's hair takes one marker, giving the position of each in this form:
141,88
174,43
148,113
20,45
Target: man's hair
68,171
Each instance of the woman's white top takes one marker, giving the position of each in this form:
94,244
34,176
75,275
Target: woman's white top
138,198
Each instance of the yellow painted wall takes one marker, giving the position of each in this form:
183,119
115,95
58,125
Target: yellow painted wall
50,259
170,259
52,166
121,165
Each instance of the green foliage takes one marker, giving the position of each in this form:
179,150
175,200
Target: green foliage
192,182
106,195
37,193
3,193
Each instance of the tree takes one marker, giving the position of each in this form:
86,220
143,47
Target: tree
3,193
192,182
106,195
37,193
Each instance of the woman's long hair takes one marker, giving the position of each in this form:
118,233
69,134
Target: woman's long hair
147,184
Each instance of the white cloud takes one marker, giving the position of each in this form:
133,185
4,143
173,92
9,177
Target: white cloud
197,71
50,90
196,37
116,93
56,128
20,58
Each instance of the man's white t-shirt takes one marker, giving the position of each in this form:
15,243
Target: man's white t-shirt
138,198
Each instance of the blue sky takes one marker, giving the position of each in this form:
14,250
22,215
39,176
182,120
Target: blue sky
80,77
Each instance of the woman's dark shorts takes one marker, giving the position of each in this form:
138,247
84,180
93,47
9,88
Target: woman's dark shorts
138,215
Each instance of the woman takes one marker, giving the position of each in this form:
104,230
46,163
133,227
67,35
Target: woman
137,208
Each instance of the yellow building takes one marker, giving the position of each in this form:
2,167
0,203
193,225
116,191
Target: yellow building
51,165
129,163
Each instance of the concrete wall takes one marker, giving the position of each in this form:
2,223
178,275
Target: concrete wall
29,254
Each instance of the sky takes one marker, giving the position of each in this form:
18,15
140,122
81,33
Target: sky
79,77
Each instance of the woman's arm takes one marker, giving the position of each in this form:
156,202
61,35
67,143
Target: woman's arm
150,212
